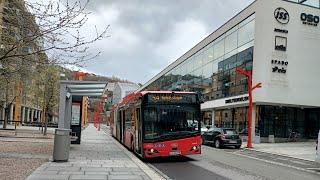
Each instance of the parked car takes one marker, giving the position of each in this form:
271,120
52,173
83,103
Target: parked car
203,129
221,137
194,123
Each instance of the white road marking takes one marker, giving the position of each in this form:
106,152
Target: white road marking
317,169
298,162
277,163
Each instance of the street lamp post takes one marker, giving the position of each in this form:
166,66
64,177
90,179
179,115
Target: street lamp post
248,74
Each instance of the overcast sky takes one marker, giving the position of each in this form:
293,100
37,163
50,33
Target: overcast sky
147,35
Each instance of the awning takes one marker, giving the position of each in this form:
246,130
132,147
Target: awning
85,88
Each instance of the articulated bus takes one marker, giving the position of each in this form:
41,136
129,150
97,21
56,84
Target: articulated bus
158,123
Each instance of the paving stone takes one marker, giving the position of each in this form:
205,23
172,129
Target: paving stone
88,177
125,177
52,164
97,173
72,173
131,165
47,177
138,173
97,157
113,165
46,172
95,169
122,173
88,165
58,168
125,169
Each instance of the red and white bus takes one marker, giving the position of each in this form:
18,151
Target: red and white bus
158,123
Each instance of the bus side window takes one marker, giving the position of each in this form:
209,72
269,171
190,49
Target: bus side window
127,119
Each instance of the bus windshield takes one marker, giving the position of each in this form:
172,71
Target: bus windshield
164,122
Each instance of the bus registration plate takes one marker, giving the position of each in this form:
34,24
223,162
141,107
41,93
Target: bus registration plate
174,153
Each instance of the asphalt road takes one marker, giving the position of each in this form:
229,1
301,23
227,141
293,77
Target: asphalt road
235,164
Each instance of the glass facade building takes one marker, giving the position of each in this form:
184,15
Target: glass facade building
312,3
286,102
211,71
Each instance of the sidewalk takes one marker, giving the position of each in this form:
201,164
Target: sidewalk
299,150
98,156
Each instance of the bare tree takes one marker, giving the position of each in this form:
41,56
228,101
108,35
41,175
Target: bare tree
51,27
37,33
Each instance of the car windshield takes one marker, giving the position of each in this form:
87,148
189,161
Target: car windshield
170,121
230,132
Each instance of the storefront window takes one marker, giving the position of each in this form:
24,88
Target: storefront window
207,118
280,121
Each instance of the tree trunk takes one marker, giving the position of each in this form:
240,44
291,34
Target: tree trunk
6,114
45,125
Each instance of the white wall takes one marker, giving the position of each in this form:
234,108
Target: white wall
301,84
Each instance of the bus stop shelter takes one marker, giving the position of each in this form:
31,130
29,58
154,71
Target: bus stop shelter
71,92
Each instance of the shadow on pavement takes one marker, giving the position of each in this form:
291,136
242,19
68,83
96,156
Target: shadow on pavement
171,159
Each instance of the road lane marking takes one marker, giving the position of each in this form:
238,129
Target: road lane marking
283,159
316,169
229,173
277,163
298,162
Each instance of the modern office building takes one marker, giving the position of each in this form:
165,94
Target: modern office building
121,90
279,41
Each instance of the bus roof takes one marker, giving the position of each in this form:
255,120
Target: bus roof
142,93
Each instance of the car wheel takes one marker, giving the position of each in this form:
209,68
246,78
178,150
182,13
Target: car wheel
217,143
237,147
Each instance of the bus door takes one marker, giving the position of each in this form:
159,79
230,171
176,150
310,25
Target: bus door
138,130
120,126
123,122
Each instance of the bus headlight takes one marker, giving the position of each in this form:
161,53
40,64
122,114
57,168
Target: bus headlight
195,148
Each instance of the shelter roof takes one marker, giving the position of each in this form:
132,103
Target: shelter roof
85,88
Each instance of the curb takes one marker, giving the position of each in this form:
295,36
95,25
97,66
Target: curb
278,154
159,172
145,168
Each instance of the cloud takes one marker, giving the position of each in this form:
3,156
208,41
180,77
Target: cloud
147,35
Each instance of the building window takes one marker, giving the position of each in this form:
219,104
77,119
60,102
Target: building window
313,3
211,71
